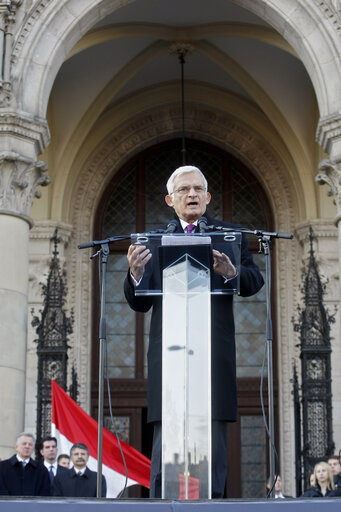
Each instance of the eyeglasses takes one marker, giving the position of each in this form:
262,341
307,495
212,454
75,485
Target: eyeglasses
199,189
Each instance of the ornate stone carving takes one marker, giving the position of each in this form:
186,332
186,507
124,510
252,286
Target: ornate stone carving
331,9
5,93
26,28
331,175
7,19
181,48
19,178
328,130
27,127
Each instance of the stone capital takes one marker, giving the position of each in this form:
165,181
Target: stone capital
328,134
331,175
19,178
22,127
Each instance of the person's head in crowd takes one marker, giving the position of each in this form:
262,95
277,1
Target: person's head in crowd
64,460
311,480
323,475
79,455
278,485
340,456
49,449
335,465
24,445
187,193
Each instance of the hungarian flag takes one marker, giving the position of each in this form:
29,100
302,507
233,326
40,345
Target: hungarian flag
70,425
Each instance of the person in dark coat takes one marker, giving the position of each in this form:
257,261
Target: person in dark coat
322,483
21,475
188,196
278,488
49,452
79,481
335,465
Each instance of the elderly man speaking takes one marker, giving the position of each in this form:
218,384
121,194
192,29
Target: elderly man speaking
188,196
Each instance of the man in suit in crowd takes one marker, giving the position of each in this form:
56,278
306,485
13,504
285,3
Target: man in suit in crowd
49,453
79,481
334,463
21,475
278,488
188,196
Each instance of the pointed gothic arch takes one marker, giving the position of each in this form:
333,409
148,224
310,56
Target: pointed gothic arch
271,172
38,54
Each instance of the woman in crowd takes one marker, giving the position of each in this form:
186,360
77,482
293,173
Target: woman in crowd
322,483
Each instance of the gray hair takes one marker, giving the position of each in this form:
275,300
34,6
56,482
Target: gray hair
25,434
183,170
80,446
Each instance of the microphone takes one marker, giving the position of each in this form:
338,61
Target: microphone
172,226
202,223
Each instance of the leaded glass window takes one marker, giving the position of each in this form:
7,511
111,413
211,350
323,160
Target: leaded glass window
136,203
253,457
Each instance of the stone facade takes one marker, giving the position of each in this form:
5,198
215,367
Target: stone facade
36,37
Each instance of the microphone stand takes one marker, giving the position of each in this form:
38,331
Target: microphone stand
103,252
265,241
264,238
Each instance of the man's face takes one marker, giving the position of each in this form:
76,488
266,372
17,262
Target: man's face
335,465
24,447
189,198
49,451
79,458
278,485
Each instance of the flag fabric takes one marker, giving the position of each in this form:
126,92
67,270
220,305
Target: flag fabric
70,425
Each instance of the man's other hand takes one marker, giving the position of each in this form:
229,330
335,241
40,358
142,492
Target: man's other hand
223,265
138,256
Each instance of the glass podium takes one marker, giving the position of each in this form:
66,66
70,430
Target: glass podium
181,270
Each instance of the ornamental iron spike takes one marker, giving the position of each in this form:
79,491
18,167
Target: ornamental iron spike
313,400
53,328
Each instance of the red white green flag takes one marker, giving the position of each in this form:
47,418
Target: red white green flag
70,425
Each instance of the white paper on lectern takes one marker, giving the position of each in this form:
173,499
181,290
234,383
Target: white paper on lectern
186,240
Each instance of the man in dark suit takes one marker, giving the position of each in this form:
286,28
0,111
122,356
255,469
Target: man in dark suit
335,465
188,196
49,453
278,488
22,476
79,481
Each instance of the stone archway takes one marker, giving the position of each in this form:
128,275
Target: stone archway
218,129
51,30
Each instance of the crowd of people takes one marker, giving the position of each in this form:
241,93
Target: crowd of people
325,481
65,476
69,476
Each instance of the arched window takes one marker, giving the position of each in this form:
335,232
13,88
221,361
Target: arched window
134,202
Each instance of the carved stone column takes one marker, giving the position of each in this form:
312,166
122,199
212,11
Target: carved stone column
331,176
19,178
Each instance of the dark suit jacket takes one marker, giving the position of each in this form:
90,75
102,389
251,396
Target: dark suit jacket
68,483
315,492
223,353
33,480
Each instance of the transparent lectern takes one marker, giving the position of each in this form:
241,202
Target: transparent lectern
181,270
